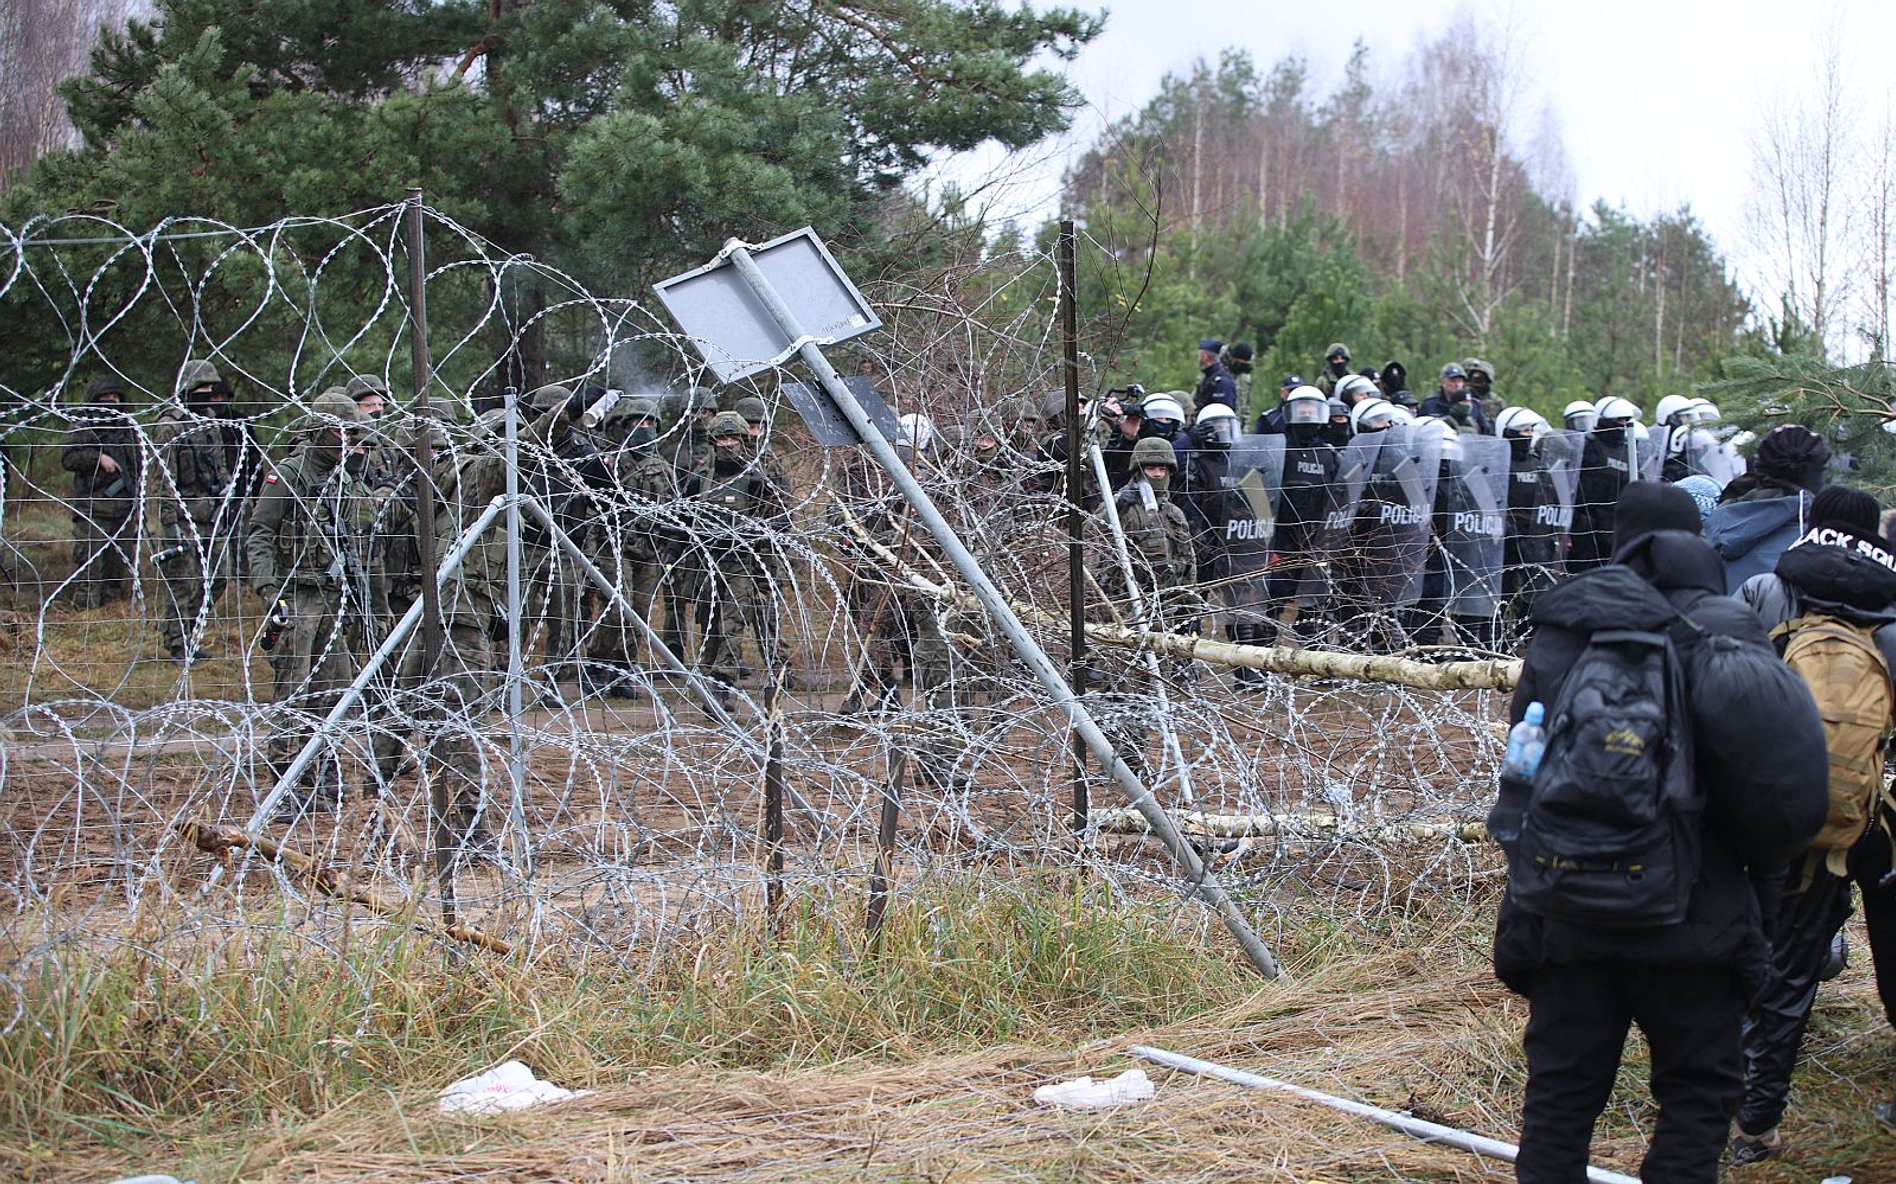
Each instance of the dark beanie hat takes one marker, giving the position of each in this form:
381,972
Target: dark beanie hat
105,384
1647,506
1793,454
1850,509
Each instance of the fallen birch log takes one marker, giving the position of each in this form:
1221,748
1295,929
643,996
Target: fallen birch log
216,840
1236,826
1492,675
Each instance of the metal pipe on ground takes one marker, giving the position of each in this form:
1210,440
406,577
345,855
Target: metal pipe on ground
1416,1128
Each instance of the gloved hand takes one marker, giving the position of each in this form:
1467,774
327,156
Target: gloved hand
1459,410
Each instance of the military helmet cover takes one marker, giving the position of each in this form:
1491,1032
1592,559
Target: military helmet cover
1154,451
727,423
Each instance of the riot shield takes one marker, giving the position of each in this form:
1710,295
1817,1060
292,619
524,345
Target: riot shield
1646,452
1560,452
1702,452
1264,456
1388,480
1241,520
1476,525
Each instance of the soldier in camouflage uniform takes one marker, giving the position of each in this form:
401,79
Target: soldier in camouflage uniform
735,563
1160,542
566,473
681,581
205,456
635,550
307,550
102,454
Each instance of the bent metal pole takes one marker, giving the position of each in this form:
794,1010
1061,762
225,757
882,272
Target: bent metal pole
1079,719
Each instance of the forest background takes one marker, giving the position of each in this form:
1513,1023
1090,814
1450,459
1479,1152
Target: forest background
1422,220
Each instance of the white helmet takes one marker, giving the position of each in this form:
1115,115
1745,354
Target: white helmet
1165,406
1579,415
1704,411
1373,415
1670,406
1515,419
915,430
1306,405
1221,422
1614,407
1451,436
1356,388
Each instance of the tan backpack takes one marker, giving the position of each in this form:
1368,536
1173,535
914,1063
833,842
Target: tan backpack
1850,680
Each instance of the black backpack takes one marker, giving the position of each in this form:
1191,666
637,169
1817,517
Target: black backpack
1610,836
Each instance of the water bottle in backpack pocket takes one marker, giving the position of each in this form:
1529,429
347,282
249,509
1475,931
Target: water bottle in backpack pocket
1610,833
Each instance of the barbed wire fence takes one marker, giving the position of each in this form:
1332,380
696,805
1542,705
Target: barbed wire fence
622,797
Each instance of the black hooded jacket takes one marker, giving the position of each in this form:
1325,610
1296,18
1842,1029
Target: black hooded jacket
1650,583
1835,573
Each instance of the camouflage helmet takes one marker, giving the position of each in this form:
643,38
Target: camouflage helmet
550,397
1154,451
363,385
1473,364
640,408
702,398
1337,349
332,406
490,423
728,423
752,409
105,384
197,373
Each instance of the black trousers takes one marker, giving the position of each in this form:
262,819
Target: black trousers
1578,1018
1800,941
1870,861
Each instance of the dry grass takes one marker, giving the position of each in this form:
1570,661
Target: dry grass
806,1058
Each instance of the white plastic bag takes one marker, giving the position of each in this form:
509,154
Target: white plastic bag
507,1086
1086,1094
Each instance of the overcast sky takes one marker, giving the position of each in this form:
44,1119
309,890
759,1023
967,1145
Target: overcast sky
1655,99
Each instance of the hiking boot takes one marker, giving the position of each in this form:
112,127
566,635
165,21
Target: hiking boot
1755,1148
600,683
1836,959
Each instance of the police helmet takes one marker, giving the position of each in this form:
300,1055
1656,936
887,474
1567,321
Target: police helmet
1165,406
1516,420
1579,415
1220,423
1612,407
1451,436
915,430
1372,415
1670,407
1154,451
1306,405
727,423
1704,411
1355,388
